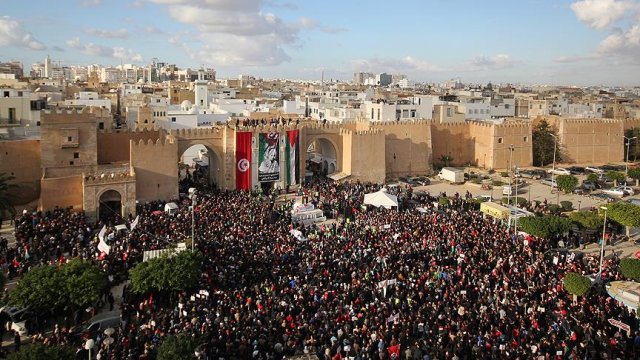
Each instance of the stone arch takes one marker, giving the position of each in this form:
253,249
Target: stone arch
216,174
326,153
110,202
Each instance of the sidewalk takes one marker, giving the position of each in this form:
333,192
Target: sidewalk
624,249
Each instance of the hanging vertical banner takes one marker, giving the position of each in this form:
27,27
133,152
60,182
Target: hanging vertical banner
243,160
293,157
269,157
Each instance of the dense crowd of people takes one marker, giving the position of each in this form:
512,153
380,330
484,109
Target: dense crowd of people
446,282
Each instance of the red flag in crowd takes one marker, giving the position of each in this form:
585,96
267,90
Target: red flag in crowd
394,351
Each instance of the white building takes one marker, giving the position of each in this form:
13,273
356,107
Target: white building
89,98
20,111
503,107
417,107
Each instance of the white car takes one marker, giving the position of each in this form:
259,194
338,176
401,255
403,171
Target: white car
559,171
549,182
614,192
594,170
628,190
17,318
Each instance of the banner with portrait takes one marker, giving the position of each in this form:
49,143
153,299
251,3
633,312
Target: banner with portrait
269,157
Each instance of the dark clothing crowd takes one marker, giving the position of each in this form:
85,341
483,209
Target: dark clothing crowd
445,282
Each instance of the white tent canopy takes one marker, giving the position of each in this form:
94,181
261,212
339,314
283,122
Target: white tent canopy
381,199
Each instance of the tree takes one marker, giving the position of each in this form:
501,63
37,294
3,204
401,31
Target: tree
567,183
625,213
543,144
544,226
40,289
630,268
634,173
84,282
634,147
446,159
592,178
167,273
46,287
615,176
177,347
6,196
38,351
587,219
576,284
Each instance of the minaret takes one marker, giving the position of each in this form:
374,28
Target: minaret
201,91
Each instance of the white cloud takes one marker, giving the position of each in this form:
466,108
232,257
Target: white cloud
496,62
402,65
12,34
121,33
239,32
600,14
622,43
89,3
622,18
153,30
92,49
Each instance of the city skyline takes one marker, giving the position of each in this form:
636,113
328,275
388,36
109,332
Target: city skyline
566,42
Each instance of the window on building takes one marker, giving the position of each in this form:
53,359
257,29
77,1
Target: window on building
6,94
525,139
507,106
378,114
499,140
173,119
20,93
372,114
38,123
470,111
413,113
101,126
449,112
76,155
475,111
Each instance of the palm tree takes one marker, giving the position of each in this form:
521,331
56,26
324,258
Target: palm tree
6,196
446,159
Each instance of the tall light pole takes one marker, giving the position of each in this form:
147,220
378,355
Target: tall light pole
553,168
626,162
511,148
604,231
193,198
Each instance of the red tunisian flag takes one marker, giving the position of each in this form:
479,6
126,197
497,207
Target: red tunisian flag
243,160
394,351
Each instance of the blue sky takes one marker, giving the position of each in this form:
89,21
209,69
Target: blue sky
569,42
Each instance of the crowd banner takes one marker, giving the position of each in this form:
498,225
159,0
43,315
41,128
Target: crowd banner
293,157
243,160
269,157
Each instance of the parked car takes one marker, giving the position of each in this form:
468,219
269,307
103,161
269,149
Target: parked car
403,179
610,167
603,196
576,170
422,180
483,198
19,319
586,185
593,169
549,182
628,190
559,171
614,192
530,174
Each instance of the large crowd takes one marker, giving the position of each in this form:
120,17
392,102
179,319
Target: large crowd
445,282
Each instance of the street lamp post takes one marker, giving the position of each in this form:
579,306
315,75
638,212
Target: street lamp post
193,197
553,168
89,345
626,162
511,148
604,231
